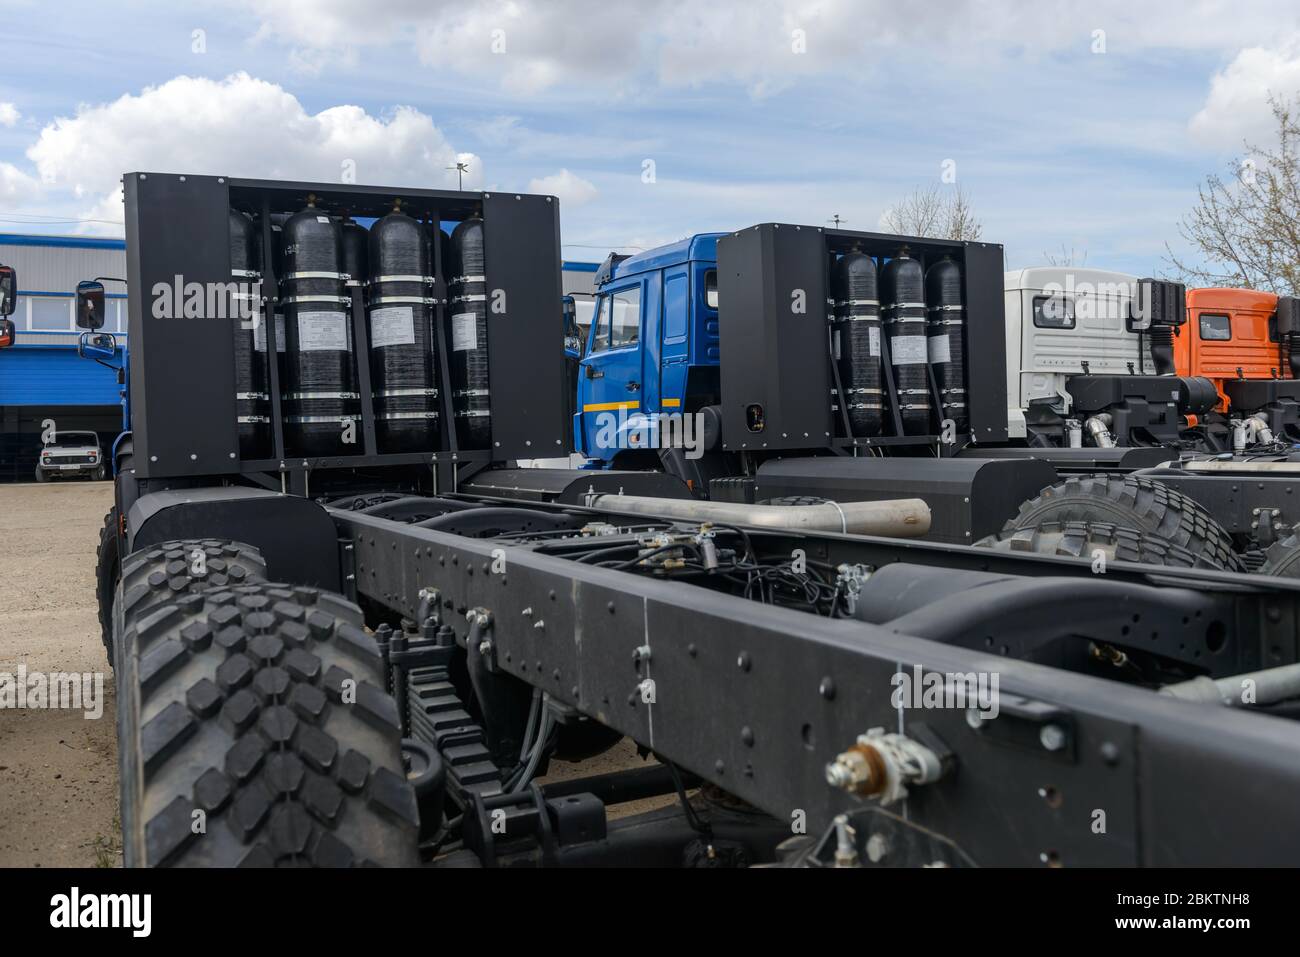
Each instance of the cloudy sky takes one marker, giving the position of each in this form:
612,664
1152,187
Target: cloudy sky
1079,125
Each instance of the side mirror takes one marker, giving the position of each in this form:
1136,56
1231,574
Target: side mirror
6,333
1288,315
8,290
90,305
96,345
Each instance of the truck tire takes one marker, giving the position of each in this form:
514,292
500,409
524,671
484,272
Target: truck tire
159,574
1086,539
256,716
108,569
1130,501
40,475
1282,558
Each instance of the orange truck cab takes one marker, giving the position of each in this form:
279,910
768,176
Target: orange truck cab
1232,338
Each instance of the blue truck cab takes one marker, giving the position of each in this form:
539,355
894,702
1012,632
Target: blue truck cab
653,346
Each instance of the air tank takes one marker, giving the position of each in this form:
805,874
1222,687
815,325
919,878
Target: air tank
399,316
946,330
469,346
319,396
856,341
903,296
252,400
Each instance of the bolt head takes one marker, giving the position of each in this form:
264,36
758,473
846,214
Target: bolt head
1052,737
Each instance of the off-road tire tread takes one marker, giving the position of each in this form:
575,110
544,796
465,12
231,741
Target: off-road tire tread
230,703
160,573
1282,558
1085,539
107,572
1131,501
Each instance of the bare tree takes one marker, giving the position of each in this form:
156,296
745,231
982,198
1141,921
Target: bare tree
934,212
1068,257
1246,226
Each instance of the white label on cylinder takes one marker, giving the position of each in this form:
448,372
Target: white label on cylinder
259,335
323,219
908,350
940,349
392,326
322,332
873,340
464,331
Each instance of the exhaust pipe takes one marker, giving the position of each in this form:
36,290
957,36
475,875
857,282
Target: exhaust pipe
895,518
1268,687
1098,427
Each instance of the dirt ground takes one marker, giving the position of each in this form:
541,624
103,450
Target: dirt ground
58,770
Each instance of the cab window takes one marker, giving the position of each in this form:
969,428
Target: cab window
625,328
1216,328
600,326
1053,312
711,289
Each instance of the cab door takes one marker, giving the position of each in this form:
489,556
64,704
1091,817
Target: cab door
611,373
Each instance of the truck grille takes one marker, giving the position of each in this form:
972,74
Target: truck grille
69,460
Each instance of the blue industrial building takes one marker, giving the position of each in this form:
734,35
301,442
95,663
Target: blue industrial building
41,377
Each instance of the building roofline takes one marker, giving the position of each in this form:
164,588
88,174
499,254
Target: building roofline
61,242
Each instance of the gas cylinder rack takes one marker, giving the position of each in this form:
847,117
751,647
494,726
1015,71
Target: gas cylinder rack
179,245
859,340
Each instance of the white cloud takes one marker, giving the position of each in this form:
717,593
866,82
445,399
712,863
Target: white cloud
16,187
8,114
527,46
240,126
1237,107
571,189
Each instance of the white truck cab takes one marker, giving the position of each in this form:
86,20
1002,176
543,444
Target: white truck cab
1058,319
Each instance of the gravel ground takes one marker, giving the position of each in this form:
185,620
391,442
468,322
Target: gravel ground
58,770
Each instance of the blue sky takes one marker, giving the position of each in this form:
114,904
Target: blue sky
1061,135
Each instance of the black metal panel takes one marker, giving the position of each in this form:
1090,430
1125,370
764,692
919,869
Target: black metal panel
182,370
530,405
986,336
183,401
773,327
968,498
295,535
1249,394
773,317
